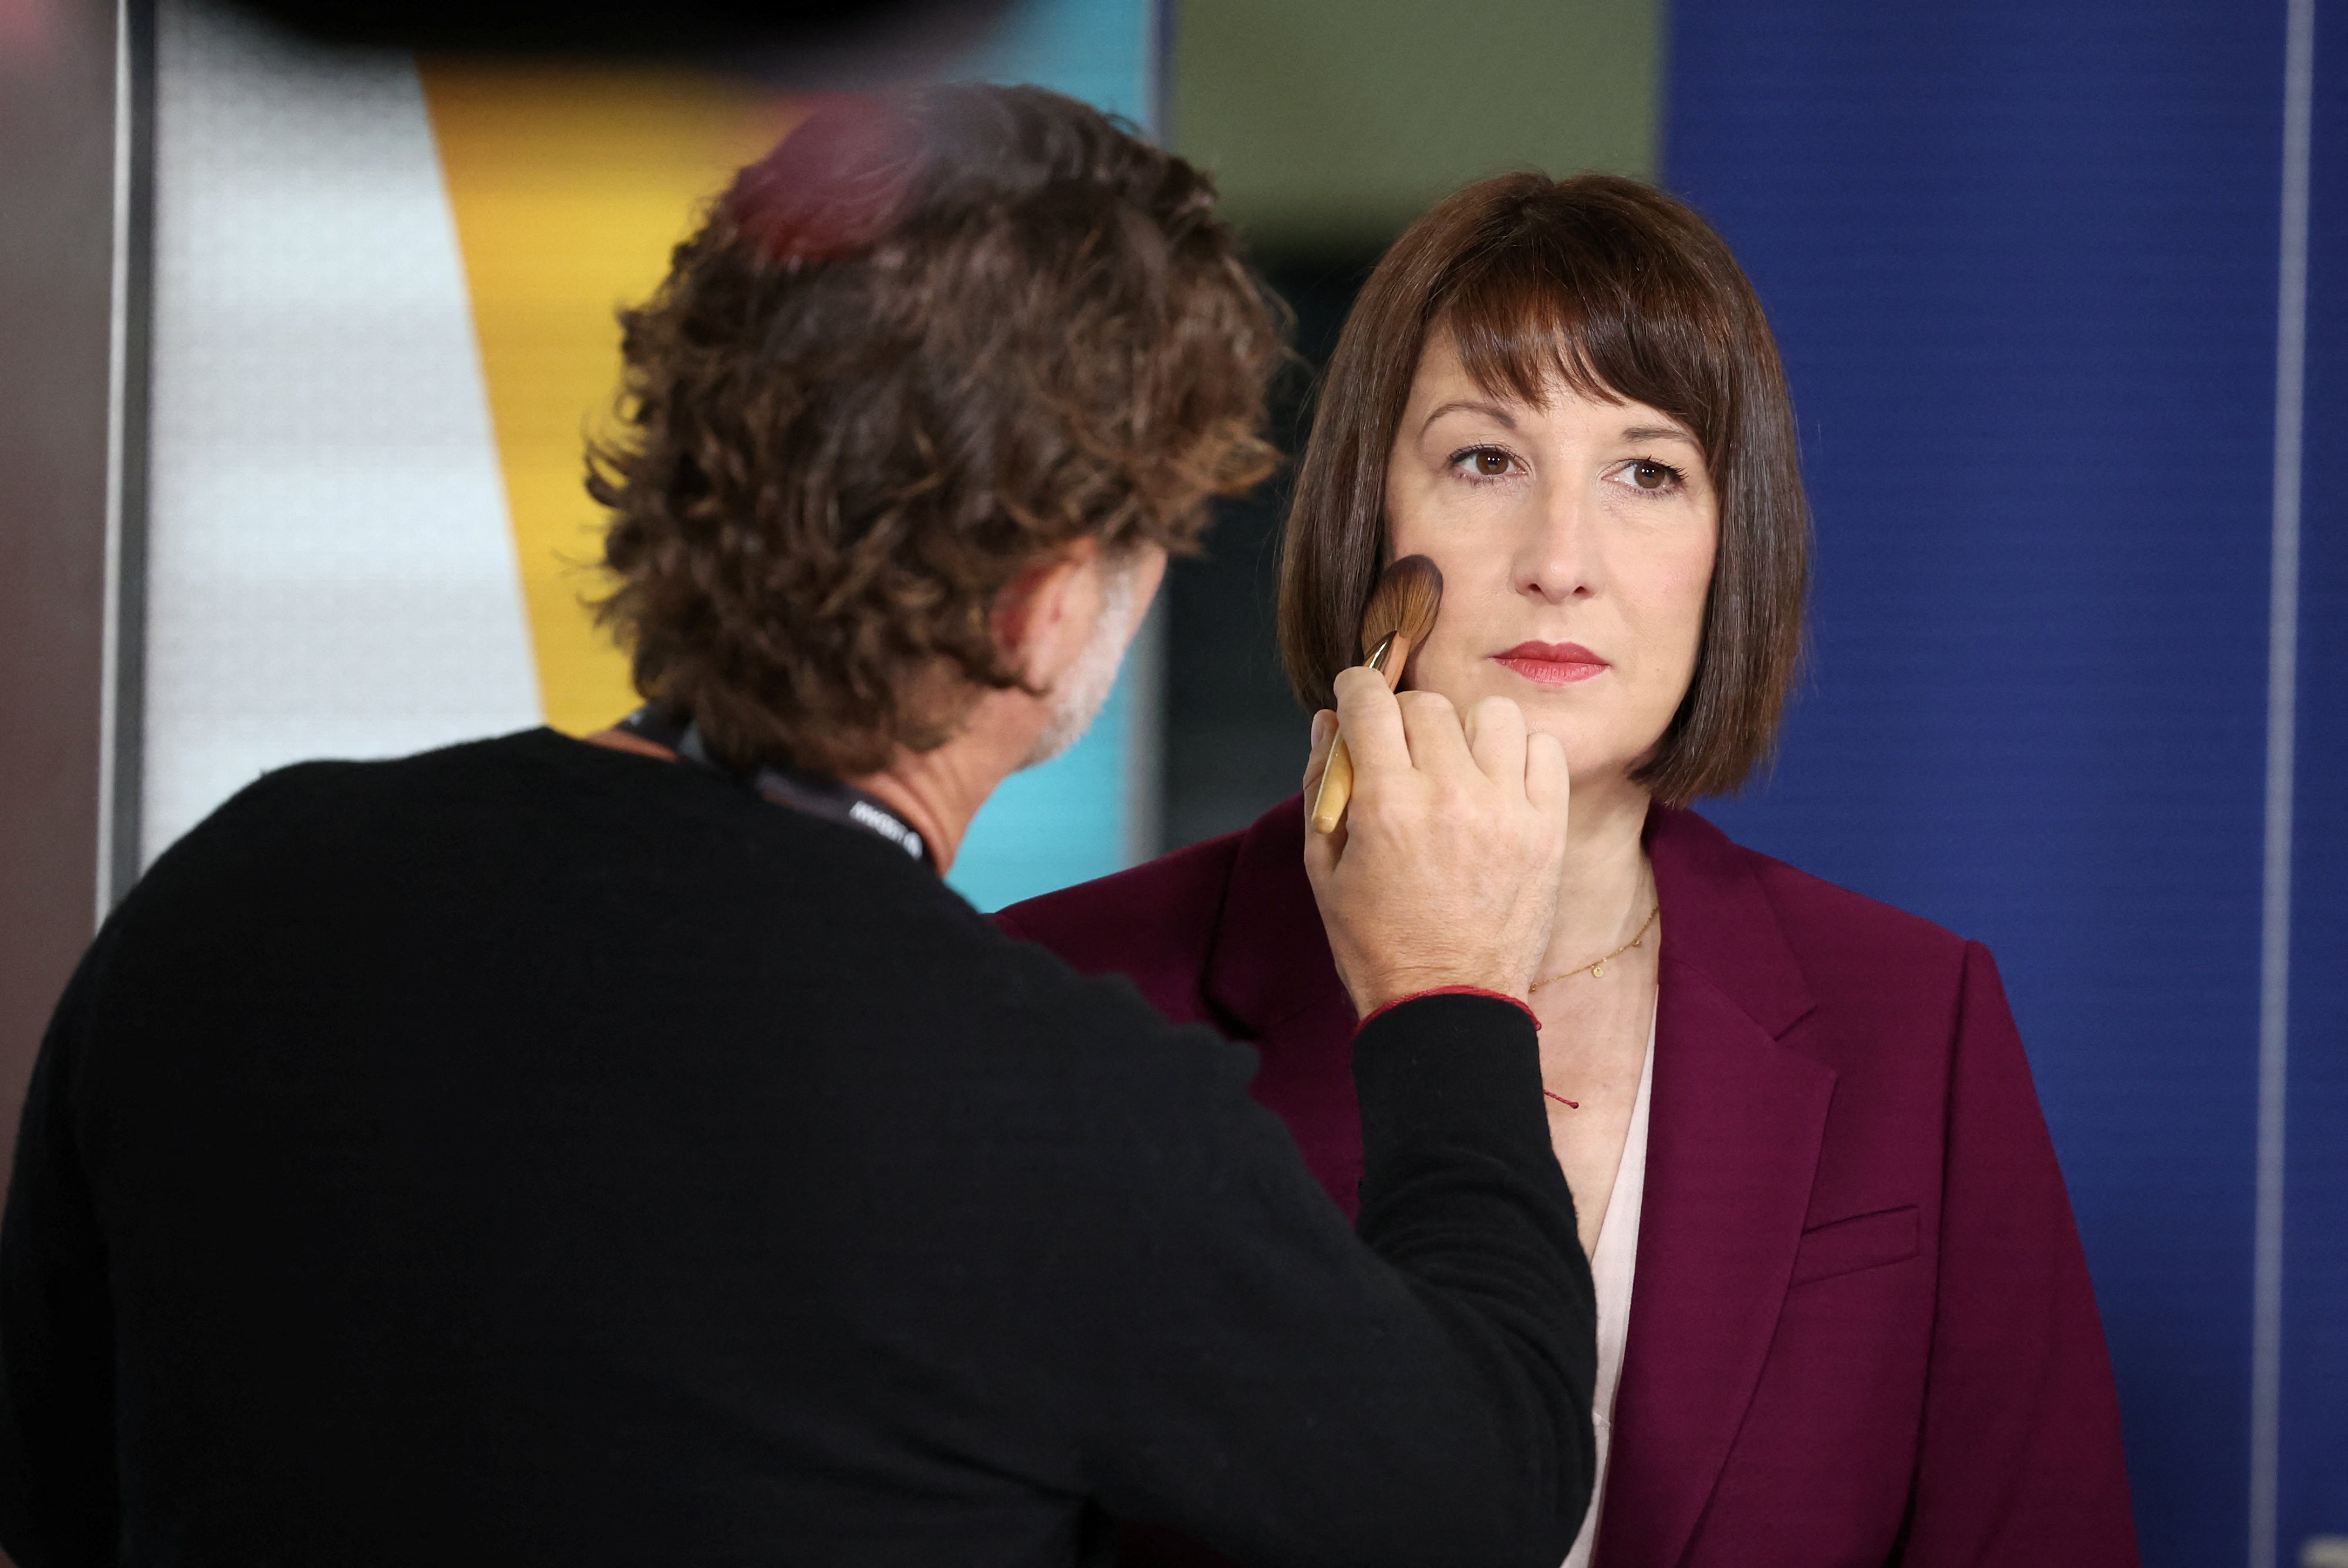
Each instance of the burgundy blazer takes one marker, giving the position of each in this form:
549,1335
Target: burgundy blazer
1861,1329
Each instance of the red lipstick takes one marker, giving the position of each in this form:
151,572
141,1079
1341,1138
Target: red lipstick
1553,663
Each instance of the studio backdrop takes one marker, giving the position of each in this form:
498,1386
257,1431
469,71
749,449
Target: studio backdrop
383,331
2062,290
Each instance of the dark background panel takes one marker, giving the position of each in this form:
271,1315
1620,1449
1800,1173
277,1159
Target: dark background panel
1236,736
2314,1450
2022,260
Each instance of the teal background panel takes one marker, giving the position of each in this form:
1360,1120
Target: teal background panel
1074,817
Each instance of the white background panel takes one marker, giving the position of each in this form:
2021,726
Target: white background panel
331,573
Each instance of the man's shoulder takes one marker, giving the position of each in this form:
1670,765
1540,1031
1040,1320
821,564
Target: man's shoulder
532,819
628,873
337,785
303,808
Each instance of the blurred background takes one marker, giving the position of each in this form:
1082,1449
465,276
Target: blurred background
303,339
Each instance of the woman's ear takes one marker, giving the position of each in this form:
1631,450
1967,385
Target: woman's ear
1043,619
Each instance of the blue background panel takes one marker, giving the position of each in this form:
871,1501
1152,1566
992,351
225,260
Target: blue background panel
1064,823
2022,260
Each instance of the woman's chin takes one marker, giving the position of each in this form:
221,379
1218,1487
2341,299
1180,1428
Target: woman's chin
1607,778
1594,758
1598,772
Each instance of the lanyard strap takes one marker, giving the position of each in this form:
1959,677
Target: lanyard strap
814,794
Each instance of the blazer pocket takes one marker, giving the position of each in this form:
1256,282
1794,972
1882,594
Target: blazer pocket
1862,1241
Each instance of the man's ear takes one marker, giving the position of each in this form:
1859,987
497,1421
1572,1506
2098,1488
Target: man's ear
1043,619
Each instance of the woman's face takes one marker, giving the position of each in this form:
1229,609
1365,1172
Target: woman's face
1576,540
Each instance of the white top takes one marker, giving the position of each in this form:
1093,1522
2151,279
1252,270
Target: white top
1610,1267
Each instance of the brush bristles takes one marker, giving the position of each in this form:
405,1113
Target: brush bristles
1408,596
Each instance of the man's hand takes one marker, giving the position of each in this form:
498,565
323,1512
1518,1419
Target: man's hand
1446,870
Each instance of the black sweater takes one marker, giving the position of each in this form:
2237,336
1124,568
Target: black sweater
530,1152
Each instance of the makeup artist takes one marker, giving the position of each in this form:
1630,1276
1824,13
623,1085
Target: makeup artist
630,1152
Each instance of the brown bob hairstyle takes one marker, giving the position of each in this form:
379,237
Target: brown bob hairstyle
934,337
1614,290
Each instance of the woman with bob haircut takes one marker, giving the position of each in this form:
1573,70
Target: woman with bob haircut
1843,1318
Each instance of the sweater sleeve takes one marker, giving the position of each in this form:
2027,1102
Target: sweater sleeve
1297,1397
2020,1459
58,1495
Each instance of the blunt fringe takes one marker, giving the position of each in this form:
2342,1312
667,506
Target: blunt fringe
934,337
1614,290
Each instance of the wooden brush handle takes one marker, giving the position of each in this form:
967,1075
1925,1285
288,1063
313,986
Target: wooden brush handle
1387,659
1337,789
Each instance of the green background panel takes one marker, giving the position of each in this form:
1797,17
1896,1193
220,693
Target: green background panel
1330,124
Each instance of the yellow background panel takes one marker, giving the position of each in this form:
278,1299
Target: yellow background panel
570,188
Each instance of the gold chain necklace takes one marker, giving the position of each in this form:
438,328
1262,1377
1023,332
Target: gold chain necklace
1597,970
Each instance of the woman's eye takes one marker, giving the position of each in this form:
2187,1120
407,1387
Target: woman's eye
1650,474
1484,462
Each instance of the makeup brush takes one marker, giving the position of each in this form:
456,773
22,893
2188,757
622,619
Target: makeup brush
1401,613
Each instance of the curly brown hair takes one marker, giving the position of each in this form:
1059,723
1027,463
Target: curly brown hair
934,338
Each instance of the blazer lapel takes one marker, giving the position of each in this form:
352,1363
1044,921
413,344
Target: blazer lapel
1735,1125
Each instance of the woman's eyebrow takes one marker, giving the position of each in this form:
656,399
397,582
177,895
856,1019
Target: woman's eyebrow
1657,433
1464,406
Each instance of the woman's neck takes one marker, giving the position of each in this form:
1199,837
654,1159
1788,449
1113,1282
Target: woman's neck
1603,896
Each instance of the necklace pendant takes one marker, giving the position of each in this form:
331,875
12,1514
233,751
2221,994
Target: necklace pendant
1598,970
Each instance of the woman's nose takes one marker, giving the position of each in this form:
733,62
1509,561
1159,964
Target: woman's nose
1556,561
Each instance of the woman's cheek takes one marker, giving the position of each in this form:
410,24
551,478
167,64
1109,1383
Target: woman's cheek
1449,669
1686,593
